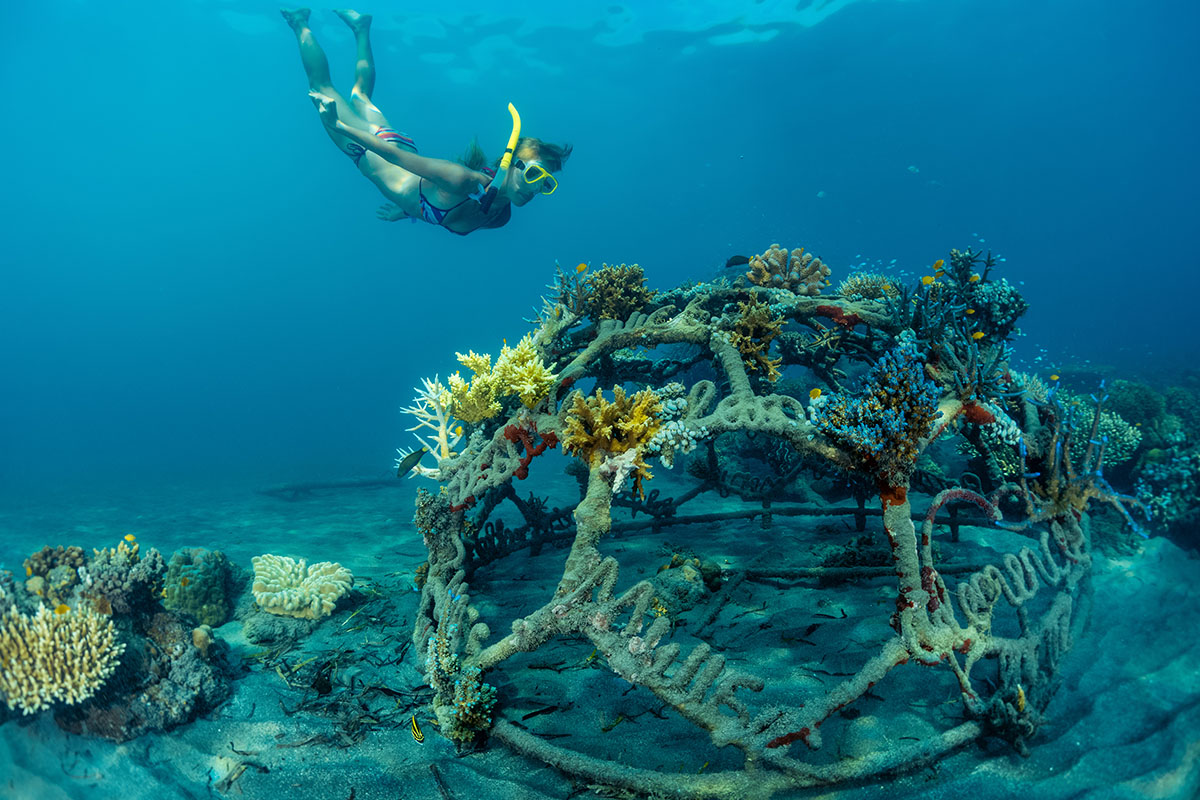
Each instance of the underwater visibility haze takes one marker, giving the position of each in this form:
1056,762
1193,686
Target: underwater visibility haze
812,409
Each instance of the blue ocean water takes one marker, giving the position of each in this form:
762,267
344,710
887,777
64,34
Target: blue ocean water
196,293
196,285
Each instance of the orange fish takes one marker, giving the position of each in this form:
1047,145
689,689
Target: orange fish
974,278
927,279
184,581
581,267
938,264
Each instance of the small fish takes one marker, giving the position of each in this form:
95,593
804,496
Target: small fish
814,394
184,581
1053,377
61,609
737,261
581,268
409,461
927,279
977,335
974,278
1020,698
418,737
970,311
939,263
458,431
129,537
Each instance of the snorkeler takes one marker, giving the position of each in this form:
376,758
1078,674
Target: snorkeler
460,196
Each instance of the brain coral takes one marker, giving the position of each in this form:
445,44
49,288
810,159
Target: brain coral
293,588
53,657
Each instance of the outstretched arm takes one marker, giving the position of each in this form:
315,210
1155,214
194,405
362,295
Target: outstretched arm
448,175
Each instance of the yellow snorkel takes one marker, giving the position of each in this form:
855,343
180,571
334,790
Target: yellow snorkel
489,195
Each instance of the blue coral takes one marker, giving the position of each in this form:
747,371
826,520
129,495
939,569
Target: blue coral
881,427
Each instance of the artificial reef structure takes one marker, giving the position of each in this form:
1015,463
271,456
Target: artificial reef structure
755,382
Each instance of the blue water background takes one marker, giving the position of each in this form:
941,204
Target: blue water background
195,288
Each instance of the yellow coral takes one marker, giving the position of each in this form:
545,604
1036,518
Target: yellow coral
597,429
754,330
51,657
518,371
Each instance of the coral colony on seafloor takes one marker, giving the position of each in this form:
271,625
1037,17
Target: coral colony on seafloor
778,397
891,371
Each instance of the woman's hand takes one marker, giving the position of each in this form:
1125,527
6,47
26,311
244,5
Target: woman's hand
326,107
390,213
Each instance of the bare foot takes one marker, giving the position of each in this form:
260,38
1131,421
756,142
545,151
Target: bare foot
296,17
356,21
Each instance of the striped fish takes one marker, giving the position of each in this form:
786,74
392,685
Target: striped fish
418,737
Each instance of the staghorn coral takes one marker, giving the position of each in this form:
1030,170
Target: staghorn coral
798,272
431,407
598,430
298,589
615,292
518,371
753,331
55,657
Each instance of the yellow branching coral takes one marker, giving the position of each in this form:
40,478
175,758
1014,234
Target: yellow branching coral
798,272
518,371
754,330
597,430
52,657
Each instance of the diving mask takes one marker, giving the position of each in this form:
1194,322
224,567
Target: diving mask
535,172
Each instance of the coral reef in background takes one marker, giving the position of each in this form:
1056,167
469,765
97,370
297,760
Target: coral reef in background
290,588
105,655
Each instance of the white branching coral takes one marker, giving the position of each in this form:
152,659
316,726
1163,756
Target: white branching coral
292,588
431,407
52,657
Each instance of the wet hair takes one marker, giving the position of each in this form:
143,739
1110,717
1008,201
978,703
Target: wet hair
550,155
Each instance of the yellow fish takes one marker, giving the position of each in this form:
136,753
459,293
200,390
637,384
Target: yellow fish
418,737
1053,377
977,335
814,394
974,278
458,431
61,609
581,267
1020,698
970,311
927,279
129,537
938,264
